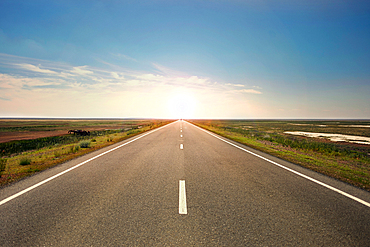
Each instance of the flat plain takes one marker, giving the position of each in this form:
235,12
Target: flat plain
128,194
28,146
343,160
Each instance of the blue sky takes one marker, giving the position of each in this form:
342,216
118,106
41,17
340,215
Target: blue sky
196,59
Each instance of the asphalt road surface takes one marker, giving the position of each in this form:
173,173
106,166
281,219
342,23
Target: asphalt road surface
182,186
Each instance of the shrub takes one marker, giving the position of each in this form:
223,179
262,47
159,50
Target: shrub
25,161
131,132
74,149
85,144
57,154
32,170
2,166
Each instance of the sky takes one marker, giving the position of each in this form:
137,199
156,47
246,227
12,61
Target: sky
252,59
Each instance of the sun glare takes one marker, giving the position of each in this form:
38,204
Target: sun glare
182,105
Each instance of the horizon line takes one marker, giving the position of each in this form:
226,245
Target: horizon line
150,118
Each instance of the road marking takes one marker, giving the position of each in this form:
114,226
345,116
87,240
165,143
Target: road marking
74,167
180,135
181,146
180,130
182,198
291,170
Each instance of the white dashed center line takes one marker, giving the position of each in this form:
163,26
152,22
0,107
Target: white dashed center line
182,198
181,146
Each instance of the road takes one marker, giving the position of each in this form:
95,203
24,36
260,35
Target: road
181,186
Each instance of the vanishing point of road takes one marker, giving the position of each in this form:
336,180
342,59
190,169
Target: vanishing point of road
182,186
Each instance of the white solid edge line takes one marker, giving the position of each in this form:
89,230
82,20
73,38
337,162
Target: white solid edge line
291,170
182,198
74,167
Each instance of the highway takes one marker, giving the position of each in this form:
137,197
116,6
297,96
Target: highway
182,186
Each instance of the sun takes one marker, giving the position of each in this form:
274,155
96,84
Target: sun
181,105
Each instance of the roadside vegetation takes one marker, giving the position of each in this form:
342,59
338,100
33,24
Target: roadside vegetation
25,157
345,161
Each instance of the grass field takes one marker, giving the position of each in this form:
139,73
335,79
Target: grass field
30,150
349,162
23,129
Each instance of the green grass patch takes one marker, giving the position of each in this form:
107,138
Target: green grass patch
2,166
25,161
344,161
54,151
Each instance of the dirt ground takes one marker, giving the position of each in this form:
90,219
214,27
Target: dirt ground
28,135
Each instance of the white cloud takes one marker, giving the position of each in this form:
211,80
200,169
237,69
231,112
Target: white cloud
6,82
252,91
95,92
151,77
34,68
81,70
115,75
16,84
197,81
235,85
168,71
123,56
